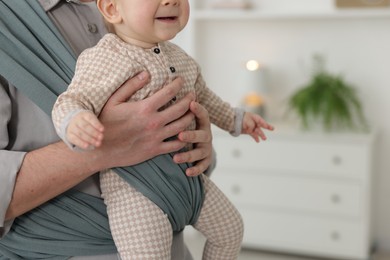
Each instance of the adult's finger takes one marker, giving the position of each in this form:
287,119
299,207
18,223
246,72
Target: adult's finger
123,93
177,110
203,134
165,94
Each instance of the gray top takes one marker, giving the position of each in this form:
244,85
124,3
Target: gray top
24,127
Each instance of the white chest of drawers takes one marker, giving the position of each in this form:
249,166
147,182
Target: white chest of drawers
300,193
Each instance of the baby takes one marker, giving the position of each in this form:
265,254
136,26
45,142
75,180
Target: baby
141,31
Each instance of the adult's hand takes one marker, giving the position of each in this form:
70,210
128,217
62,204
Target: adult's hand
201,138
135,131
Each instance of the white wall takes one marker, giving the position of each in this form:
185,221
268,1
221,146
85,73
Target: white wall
359,48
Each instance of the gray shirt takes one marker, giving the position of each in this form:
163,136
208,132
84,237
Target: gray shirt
24,127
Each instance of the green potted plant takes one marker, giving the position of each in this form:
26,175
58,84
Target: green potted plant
329,100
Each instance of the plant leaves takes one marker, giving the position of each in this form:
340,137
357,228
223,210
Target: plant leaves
329,99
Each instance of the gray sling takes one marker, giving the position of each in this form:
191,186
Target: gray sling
35,58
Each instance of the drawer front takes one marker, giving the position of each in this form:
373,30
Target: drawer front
329,197
305,234
315,158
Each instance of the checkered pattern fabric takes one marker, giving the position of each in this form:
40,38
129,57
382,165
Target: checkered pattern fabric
141,230
221,223
104,68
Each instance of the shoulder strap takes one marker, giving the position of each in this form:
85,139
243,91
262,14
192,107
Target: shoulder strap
34,57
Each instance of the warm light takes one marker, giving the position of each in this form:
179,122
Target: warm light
253,100
252,65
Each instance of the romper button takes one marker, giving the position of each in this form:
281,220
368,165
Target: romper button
92,28
173,70
156,50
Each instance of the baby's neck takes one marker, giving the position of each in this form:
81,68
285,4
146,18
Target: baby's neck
136,42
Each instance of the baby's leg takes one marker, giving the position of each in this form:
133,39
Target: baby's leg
221,224
140,229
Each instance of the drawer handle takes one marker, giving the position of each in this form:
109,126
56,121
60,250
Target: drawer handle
236,153
335,198
337,160
236,189
335,236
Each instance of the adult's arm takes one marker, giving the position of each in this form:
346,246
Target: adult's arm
129,139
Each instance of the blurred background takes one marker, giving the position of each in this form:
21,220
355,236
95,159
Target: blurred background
307,191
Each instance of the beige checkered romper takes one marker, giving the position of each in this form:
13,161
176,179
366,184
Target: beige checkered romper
140,229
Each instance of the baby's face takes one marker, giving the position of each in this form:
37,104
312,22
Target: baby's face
152,21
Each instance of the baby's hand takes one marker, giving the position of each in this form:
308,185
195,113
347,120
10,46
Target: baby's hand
85,130
253,125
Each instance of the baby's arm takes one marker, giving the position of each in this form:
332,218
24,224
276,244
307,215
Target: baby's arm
85,130
253,125
223,115
95,80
